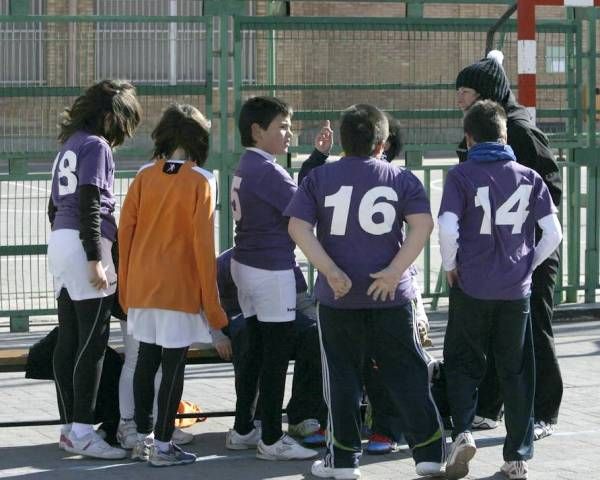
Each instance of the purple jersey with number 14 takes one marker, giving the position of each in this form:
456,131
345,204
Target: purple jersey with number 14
498,204
359,206
84,159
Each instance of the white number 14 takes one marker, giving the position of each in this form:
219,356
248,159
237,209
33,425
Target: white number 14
504,215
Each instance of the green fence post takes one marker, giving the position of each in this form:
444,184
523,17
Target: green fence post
18,7
18,322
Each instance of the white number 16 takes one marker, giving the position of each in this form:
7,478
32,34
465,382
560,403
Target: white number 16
340,201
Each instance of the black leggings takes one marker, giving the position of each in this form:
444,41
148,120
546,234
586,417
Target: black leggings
172,360
83,328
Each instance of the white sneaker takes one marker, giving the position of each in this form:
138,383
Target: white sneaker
141,449
127,434
64,436
304,428
482,423
515,470
235,441
462,451
319,469
91,445
542,429
429,469
180,437
286,448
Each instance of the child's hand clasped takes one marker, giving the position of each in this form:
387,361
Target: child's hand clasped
339,282
385,284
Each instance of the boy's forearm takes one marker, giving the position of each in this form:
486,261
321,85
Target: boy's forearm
302,233
420,227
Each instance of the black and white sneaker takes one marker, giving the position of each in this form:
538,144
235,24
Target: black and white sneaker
462,451
542,429
515,470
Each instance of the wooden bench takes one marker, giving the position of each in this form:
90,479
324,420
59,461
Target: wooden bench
15,359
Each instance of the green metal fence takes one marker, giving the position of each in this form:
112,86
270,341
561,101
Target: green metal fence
406,65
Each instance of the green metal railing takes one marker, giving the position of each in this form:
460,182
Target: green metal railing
405,65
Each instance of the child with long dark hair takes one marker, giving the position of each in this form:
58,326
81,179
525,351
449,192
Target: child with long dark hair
79,253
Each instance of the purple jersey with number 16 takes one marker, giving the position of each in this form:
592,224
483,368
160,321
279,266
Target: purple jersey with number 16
497,204
84,159
359,206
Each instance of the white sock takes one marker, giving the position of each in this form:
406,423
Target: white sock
162,446
81,429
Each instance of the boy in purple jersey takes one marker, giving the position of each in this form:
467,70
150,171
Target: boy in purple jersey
488,215
364,289
79,253
486,79
262,269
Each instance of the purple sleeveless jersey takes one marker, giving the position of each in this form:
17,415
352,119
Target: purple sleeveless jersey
260,191
359,206
498,204
84,159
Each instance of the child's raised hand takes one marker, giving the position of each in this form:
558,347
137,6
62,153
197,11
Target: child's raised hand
385,284
324,139
97,275
339,282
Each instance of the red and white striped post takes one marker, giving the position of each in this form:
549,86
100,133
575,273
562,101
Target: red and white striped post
527,47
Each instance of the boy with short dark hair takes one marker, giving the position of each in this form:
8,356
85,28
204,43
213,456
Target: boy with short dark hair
488,215
365,291
262,269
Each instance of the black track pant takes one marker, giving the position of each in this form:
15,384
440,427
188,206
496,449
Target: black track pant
549,384
389,335
172,361
83,328
265,363
502,328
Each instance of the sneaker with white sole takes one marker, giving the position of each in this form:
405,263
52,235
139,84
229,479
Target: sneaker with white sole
515,470
319,469
542,429
173,456
141,449
127,434
286,448
429,469
462,451
304,428
180,437
482,423
91,445
235,441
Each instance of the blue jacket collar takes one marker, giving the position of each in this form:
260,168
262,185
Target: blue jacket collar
490,152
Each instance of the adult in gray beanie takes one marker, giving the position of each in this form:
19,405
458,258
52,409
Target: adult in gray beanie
486,79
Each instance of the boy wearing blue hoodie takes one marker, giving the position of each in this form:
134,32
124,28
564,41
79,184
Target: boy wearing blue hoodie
490,208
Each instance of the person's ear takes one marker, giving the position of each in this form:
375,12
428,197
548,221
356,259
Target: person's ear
379,149
256,132
470,140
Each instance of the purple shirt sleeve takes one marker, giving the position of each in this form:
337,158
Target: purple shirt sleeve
414,197
94,164
277,188
452,199
543,201
303,204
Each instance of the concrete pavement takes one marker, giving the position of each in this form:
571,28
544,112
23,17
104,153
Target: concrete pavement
571,453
